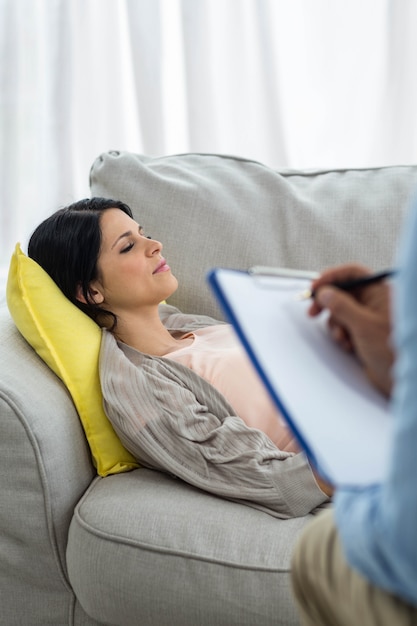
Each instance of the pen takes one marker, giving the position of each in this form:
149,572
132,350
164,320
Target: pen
354,283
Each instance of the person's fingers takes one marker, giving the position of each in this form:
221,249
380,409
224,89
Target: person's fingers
332,277
340,335
340,274
344,309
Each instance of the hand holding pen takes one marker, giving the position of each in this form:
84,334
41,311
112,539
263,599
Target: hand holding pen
352,284
359,317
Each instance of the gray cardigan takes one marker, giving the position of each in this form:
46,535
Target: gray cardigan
173,420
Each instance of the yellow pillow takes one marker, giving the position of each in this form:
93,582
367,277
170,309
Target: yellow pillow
69,343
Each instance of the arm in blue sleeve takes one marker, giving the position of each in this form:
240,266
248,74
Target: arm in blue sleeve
378,525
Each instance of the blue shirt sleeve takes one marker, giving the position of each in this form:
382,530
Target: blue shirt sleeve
378,525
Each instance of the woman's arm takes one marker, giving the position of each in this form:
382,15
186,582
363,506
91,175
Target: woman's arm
173,420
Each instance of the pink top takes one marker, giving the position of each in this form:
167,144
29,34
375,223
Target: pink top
216,355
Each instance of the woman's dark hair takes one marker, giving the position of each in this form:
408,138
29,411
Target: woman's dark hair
67,245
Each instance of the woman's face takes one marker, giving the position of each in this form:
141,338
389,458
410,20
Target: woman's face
131,270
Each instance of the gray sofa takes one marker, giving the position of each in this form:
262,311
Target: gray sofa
143,548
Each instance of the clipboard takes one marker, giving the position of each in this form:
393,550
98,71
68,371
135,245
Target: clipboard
343,424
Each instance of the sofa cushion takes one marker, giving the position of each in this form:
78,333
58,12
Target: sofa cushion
69,343
216,210
211,561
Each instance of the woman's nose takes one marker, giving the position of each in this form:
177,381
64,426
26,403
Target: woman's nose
153,246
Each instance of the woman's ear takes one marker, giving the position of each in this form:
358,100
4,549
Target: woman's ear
95,294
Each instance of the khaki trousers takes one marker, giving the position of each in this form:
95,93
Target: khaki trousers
329,593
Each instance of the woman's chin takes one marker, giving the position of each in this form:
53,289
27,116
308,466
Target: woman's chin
172,287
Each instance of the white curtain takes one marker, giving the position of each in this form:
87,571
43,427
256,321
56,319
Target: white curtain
293,83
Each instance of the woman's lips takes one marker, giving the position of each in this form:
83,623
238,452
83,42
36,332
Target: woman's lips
161,267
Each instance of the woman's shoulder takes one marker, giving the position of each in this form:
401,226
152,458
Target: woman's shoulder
119,362
116,353
175,320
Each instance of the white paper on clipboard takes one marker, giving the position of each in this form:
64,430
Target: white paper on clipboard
341,421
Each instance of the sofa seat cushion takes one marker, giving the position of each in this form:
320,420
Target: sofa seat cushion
144,548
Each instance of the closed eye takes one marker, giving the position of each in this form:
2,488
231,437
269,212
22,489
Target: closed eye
130,245
127,248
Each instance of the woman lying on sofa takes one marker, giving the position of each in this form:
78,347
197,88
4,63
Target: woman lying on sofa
178,388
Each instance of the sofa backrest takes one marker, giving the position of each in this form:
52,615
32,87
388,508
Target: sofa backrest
215,210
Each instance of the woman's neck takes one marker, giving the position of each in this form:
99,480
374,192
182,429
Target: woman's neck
146,333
